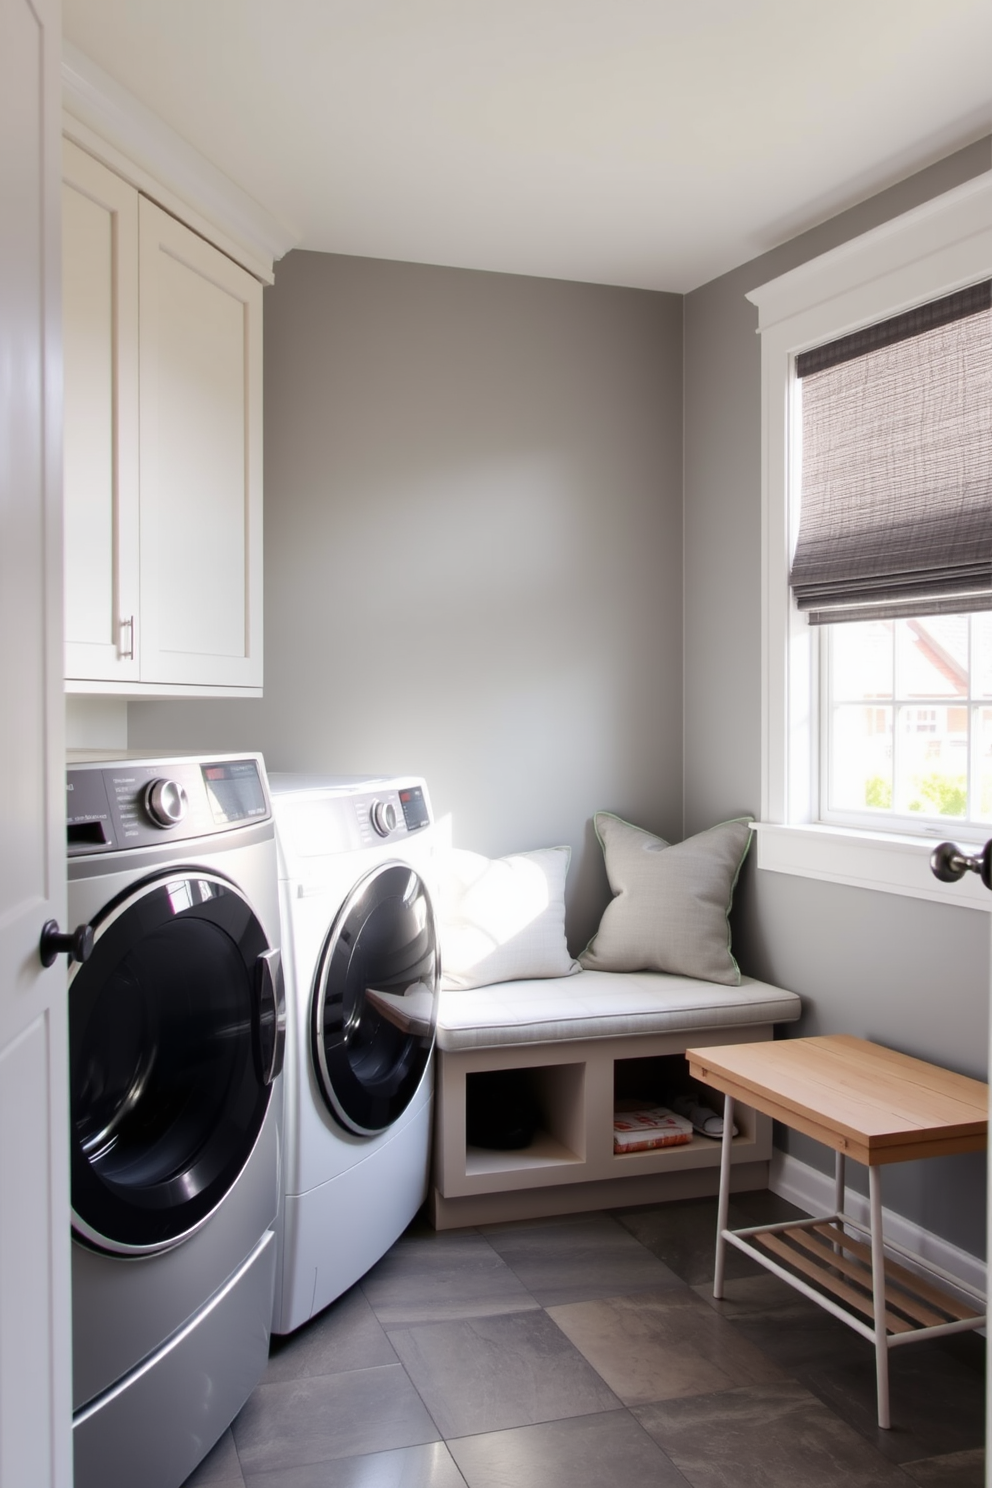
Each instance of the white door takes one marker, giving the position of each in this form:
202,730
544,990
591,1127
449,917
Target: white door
948,863
35,1390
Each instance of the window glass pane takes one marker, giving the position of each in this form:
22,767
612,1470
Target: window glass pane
982,806
909,729
861,758
981,643
861,658
932,656
932,760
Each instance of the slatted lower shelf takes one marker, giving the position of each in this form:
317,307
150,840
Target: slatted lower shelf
822,1252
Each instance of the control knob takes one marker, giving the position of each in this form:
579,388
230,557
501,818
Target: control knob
382,815
166,802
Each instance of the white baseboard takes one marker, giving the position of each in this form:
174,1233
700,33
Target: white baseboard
813,1191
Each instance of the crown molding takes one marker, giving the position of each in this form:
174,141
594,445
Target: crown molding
957,224
109,122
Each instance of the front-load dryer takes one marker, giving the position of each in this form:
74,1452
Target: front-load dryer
356,867
176,1028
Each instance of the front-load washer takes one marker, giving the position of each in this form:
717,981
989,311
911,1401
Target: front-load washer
356,867
176,1032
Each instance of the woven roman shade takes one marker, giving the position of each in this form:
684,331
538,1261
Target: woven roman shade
896,509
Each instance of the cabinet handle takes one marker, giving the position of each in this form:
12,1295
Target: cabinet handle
128,625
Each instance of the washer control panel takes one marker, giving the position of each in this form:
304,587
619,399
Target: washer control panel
142,803
166,802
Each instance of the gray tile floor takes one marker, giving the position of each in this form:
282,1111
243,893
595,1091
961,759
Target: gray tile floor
587,1352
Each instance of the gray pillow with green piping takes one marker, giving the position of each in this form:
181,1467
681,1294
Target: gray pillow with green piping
671,901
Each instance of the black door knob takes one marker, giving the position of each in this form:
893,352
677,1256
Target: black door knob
949,863
76,944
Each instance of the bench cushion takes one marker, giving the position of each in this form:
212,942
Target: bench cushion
603,1004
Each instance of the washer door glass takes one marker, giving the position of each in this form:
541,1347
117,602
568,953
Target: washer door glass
168,1086
374,1006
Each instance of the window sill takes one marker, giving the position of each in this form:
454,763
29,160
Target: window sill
865,860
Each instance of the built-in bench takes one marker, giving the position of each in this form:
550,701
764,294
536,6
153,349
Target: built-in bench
584,1041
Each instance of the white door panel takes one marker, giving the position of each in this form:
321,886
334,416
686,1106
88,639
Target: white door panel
35,1397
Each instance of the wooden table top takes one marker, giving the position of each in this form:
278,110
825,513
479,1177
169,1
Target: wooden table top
872,1103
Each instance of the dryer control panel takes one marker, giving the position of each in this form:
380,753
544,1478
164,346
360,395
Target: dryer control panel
390,813
125,804
321,816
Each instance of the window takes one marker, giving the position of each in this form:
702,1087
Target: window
893,554
873,743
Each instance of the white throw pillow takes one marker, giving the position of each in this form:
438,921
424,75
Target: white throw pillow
502,919
672,902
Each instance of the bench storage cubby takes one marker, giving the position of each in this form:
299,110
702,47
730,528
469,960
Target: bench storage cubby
583,1042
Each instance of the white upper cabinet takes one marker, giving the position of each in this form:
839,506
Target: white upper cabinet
200,320
163,459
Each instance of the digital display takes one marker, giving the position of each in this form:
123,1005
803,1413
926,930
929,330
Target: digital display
415,812
234,790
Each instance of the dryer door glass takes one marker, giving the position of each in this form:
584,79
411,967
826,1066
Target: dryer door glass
374,1006
166,1028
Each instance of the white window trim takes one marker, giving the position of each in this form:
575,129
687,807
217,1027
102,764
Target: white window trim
937,248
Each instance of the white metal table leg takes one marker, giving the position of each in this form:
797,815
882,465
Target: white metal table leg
723,1203
878,1295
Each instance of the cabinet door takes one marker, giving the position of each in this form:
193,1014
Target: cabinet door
201,452
100,328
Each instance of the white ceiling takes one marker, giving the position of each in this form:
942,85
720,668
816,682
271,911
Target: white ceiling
654,143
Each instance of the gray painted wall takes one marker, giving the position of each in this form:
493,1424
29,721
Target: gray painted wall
474,554
910,974
473,551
